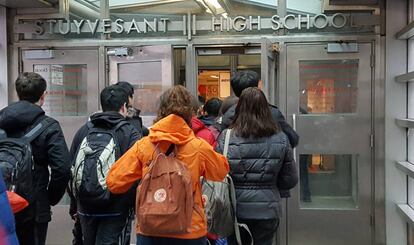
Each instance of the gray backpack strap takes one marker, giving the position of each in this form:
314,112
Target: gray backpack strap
237,225
38,129
232,190
226,142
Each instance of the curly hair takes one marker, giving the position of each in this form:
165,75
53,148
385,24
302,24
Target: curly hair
178,101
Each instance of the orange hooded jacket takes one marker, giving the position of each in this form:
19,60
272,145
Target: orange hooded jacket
197,154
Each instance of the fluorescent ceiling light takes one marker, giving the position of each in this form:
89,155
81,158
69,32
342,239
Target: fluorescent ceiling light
214,3
214,76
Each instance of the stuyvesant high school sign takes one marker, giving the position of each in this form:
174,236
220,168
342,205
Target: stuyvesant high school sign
190,25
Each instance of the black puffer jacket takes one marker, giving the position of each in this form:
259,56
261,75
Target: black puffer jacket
49,151
259,168
228,117
126,135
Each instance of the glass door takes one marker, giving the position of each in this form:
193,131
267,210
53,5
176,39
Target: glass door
149,69
329,98
72,96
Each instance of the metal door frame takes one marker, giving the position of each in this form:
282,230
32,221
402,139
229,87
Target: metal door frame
60,219
88,57
376,208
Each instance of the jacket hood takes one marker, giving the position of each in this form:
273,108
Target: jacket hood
197,125
19,115
208,120
172,129
106,119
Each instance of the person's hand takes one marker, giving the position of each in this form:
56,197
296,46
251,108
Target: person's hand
75,217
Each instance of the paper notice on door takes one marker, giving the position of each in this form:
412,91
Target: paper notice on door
43,70
56,73
224,78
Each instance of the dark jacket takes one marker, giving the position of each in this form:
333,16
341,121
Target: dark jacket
49,151
228,117
126,135
259,168
136,120
7,225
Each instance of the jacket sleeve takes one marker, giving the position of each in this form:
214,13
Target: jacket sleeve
135,135
216,166
126,171
59,163
288,175
286,128
227,118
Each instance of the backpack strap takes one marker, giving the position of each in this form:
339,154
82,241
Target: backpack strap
38,129
227,142
120,125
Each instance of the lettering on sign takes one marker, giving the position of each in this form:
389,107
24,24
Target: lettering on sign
164,25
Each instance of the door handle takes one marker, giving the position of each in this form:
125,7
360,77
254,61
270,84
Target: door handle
294,128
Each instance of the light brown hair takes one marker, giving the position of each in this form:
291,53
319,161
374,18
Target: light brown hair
178,101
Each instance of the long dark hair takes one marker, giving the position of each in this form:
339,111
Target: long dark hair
253,117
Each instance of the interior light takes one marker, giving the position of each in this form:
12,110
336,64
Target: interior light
214,76
214,3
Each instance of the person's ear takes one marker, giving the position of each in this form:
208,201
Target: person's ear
41,101
124,110
260,84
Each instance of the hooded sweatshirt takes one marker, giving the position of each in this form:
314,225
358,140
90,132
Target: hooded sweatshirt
198,155
49,152
126,135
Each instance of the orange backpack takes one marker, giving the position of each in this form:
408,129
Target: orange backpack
165,196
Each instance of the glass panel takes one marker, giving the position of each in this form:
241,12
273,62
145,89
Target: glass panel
328,86
411,192
179,66
410,235
215,70
328,181
215,83
66,93
307,7
148,85
198,7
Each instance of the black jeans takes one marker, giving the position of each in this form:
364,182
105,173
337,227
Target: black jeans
263,232
77,233
147,240
31,232
102,230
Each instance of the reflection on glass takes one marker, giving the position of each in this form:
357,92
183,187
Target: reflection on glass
66,93
328,181
328,86
146,77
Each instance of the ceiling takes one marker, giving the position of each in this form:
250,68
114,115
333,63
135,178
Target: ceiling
29,3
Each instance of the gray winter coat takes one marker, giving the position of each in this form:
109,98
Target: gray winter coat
259,168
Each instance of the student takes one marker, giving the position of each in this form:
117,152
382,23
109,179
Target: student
246,79
261,163
50,154
172,126
102,219
133,113
205,126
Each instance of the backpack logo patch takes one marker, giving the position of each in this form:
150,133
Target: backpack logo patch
160,195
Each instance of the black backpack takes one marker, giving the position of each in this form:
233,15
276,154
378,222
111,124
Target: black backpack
96,154
16,160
